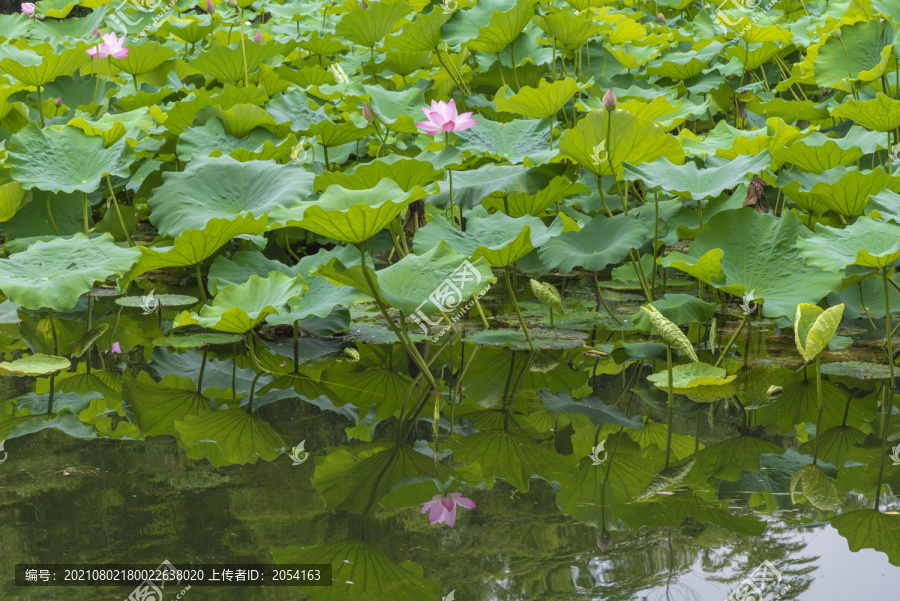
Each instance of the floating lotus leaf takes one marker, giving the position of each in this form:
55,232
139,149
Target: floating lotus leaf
689,182
771,267
843,190
238,308
34,365
65,160
229,437
691,375
871,529
55,274
600,243
351,216
198,340
857,370
622,139
223,188
814,328
163,300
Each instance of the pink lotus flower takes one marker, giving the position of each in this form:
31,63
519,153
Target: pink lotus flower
96,31
442,117
115,349
111,46
28,9
442,508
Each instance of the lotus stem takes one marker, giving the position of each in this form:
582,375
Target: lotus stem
372,54
40,106
670,405
50,400
296,329
253,391
325,148
512,55
512,294
118,212
84,210
500,63
53,332
655,238
97,81
849,73
737,333
202,369
551,316
600,300
639,271
553,64
602,196
49,215
200,284
90,315
886,411
481,313
244,47
437,51
819,398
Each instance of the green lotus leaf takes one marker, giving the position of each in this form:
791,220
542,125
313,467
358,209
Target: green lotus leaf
593,407
623,138
211,139
42,64
421,35
163,300
862,47
835,443
798,403
334,134
416,282
229,437
158,405
89,338
865,242
670,333
34,365
226,63
691,375
190,341
815,487
871,529
727,459
689,182
293,107
867,298
772,267
188,30
568,29
814,328
470,187
881,114
238,308
113,127
541,102
513,141
680,309
754,58
548,295
844,190
885,206
817,152
193,246
55,9
12,198
66,160
351,216
684,65
368,27
600,243
223,188
55,274
858,370
519,204
143,58
671,510
406,173
504,27
361,572
393,108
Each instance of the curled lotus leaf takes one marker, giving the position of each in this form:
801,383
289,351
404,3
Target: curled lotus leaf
669,332
814,327
547,294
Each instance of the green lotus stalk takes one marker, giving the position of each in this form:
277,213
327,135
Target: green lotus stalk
889,394
244,47
837,34
84,210
49,215
200,284
40,106
512,295
202,369
118,212
670,403
53,332
731,340
599,299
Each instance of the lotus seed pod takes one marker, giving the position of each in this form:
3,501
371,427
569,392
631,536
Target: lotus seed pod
669,332
660,18
610,100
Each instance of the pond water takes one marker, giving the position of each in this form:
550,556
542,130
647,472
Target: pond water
547,522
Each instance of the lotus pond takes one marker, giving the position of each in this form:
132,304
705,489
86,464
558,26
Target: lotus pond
496,300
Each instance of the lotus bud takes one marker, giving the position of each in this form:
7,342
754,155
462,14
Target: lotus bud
58,101
660,18
210,7
604,540
774,392
610,100
368,113
96,32
258,38
363,5
837,33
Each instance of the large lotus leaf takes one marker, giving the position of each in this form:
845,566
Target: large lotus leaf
293,107
691,375
158,405
238,268
194,246
229,437
728,142
835,443
335,134
143,58
419,282
817,152
188,30
844,190
470,187
12,198
798,403
504,27
814,328
361,572
226,63
671,510
861,48
55,274
65,160
771,267
541,102
405,172
223,188
811,483
510,456
568,29
367,27
593,407
351,216
866,242
382,387
680,309
684,65
34,365
421,35
881,114
238,308
623,138
347,478
867,297
725,460
499,238
871,529
688,181
393,108
212,139
513,141
519,204
42,64
601,242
